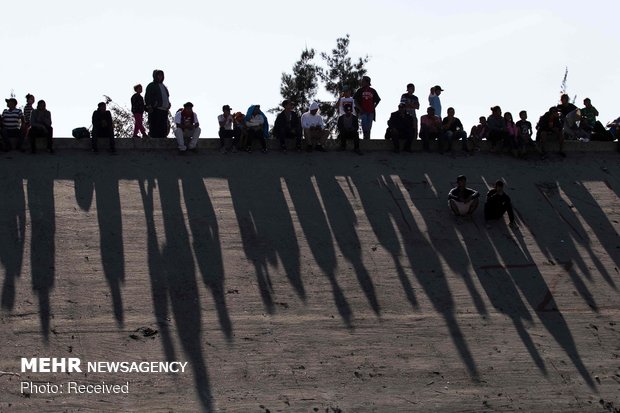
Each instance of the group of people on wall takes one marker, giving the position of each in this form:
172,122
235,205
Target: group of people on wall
355,110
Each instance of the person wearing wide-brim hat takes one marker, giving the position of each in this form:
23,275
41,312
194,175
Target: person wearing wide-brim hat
12,119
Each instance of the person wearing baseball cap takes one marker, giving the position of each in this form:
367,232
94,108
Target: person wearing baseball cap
434,101
227,130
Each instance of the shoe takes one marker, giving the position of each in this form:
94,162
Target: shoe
248,149
182,151
264,150
283,149
320,148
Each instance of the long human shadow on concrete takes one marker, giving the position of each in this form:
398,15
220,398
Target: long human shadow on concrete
539,296
319,238
382,211
267,230
42,244
173,280
444,238
558,245
343,221
590,211
499,285
12,234
427,269
206,244
104,187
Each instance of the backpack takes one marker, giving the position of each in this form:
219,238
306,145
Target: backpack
81,133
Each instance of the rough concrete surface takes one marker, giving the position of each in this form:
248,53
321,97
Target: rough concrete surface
310,282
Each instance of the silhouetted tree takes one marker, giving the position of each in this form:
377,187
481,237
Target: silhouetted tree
122,118
301,85
341,71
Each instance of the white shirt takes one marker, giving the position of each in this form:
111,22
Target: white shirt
228,122
308,120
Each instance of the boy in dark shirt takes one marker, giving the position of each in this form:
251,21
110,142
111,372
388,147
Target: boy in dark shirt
137,108
498,203
525,133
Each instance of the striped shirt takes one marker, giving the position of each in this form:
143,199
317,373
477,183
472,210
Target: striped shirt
27,113
11,118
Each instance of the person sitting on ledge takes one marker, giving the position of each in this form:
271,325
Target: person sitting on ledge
479,133
549,127
462,200
348,129
430,128
314,128
41,127
103,127
401,128
187,127
288,126
257,127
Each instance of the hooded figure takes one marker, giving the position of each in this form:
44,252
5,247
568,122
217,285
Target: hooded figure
157,103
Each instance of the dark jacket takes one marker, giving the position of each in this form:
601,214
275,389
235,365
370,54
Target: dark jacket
282,127
354,122
137,103
102,124
152,97
403,123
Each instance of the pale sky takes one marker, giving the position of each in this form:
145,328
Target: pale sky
483,53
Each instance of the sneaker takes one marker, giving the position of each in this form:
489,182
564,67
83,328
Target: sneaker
264,150
248,149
